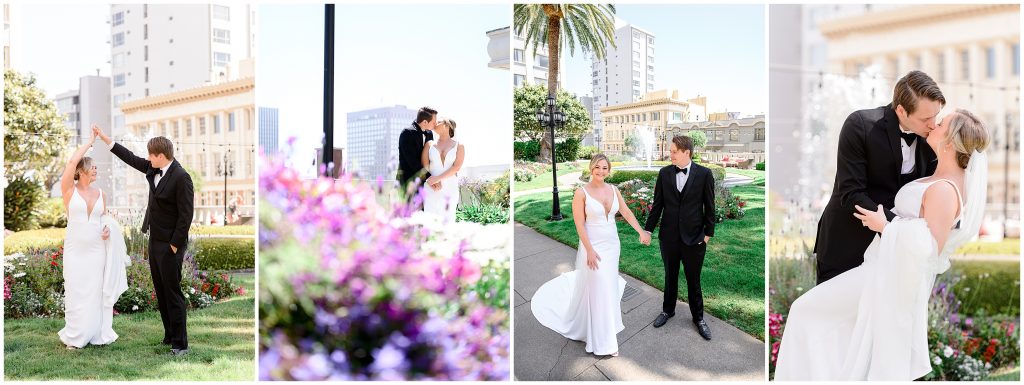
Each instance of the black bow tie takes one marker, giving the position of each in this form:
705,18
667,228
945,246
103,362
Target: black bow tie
908,137
156,171
680,170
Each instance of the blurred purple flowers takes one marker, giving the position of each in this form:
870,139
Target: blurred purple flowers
349,293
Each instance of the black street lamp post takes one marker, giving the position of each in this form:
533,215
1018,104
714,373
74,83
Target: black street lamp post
550,116
226,169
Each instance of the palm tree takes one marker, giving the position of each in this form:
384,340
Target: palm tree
589,25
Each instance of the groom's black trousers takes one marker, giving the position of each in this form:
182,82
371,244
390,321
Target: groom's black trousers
692,259
165,267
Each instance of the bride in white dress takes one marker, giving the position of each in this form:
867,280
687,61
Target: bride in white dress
871,323
583,304
442,157
92,279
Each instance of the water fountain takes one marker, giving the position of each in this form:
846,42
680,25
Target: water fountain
647,140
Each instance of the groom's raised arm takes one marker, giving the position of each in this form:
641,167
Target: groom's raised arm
656,207
129,158
851,166
185,202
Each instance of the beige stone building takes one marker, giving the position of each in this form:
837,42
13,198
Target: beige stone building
656,111
732,141
972,51
213,128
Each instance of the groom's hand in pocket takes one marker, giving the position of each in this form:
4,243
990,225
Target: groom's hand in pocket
706,239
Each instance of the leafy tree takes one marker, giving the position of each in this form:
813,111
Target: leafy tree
528,99
36,141
699,138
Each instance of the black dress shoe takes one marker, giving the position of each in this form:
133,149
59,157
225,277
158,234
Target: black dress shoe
703,329
662,318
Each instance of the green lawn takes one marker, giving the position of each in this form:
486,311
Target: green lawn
759,176
733,273
543,180
221,340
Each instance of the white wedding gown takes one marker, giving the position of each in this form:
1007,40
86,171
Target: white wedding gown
583,304
442,202
87,319
871,322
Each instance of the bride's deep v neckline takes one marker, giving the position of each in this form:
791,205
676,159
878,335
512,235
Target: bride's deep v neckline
607,208
444,154
89,210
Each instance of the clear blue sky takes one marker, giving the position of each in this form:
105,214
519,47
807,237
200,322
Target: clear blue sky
411,55
712,50
71,43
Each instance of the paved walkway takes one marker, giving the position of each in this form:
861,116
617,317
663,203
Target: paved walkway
672,352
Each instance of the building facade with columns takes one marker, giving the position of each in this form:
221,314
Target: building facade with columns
656,112
973,53
729,137
213,130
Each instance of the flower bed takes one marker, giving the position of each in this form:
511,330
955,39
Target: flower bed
962,347
352,290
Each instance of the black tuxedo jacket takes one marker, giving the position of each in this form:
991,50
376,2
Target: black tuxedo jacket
867,174
686,216
171,204
410,152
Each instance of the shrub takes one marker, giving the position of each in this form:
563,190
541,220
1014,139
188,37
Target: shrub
728,206
524,175
225,253
53,214
528,150
22,200
619,176
222,230
759,166
567,150
482,214
718,172
587,152
24,241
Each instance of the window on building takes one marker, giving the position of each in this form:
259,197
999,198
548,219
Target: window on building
145,31
636,74
636,45
145,73
636,55
990,62
117,60
117,19
519,80
188,127
540,81
118,81
117,40
519,55
1015,59
202,125
650,69
221,59
734,135
650,40
216,123
940,62
656,116
221,36
231,122
145,53
759,134
221,12
542,61
636,83
650,59
965,65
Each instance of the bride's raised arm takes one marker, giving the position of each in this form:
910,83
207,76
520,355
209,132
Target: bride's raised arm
939,209
67,179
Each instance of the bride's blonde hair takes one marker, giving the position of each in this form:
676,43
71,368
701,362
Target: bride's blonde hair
967,134
82,166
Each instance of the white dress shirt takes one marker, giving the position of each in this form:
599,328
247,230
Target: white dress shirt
681,178
908,153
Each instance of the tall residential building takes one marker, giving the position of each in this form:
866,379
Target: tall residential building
159,49
373,140
589,139
626,72
268,130
529,67
83,107
213,128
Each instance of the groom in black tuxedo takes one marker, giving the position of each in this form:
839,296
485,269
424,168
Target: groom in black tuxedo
684,202
168,219
880,150
410,147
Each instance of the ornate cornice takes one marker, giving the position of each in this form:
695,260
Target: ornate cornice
910,15
190,95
